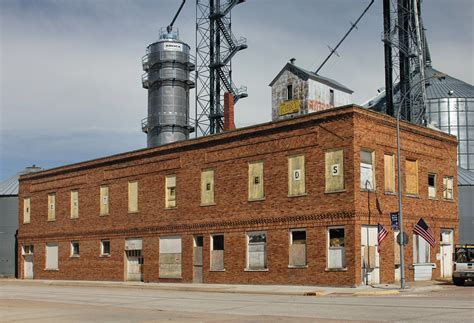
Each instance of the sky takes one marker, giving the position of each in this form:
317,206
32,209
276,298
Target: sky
70,70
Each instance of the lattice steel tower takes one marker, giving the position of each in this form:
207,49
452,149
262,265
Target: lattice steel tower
215,47
406,56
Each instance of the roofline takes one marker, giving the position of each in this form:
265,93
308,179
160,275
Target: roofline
234,134
326,82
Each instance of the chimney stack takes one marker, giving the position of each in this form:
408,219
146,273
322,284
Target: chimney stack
229,111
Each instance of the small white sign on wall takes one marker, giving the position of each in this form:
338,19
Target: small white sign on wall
335,170
297,174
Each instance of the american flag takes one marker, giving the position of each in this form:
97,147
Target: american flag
382,233
423,230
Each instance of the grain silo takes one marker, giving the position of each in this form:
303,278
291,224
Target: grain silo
167,65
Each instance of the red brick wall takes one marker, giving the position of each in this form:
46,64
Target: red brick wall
229,153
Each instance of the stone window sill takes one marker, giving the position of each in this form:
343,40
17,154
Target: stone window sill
257,200
205,205
133,212
105,256
74,256
256,270
298,195
50,269
217,270
414,196
335,192
297,267
336,269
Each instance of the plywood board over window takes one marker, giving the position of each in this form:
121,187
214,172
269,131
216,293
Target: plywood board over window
334,161
170,257
207,187
389,173
51,207
74,204
411,177
296,175
26,210
104,200
133,196
170,191
367,170
256,184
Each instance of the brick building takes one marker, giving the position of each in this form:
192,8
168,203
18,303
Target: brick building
288,202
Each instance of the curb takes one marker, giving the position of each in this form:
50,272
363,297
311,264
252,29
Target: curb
378,293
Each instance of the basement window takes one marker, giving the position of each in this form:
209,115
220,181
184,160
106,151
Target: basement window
75,249
217,252
432,186
297,248
336,248
105,248
257,250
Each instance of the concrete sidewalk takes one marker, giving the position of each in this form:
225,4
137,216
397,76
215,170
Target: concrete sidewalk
375,290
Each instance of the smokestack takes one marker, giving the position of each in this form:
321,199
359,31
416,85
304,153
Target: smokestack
228,111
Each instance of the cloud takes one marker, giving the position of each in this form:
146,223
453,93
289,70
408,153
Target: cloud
70,85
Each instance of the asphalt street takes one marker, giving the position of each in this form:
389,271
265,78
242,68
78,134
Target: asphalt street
42,303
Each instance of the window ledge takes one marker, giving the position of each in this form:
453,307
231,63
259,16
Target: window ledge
133,212
104,214
364,190
74,218
256,200
74,256
335,192
104,256
391,193
335,269
26,222
171,208
297,267
414,196
255,270
204,205
298,195
449,200
51,220
432,198
50,269
217,270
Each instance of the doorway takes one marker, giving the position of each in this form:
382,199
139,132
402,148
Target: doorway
446,253
197,261
28,267
370,260
134,265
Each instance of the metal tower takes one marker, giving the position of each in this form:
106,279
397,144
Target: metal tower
215,47
405,56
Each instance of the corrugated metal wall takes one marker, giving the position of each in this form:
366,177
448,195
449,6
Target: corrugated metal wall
466,214
8,227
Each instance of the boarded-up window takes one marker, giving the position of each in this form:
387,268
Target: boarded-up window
336,248
207,187
421,250
334,170
74,204
256,250
389,173
104,200
432,186
256,185
296,175
367,170
297,247
26,210
448,193
52,256
217,252
411,177
51,207
170,257
170,191
133,196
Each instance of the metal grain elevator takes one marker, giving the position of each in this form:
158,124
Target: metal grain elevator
167,65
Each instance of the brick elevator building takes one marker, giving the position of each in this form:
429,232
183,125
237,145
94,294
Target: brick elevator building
287,202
